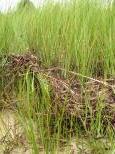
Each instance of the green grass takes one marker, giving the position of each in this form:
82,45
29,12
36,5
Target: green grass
79,37
75,36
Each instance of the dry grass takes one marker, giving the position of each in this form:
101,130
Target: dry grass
65,92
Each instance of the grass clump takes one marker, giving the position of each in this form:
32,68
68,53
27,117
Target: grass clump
64,87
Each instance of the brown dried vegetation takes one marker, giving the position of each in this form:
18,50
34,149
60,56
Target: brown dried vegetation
65,92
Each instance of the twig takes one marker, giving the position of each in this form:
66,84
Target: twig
83,76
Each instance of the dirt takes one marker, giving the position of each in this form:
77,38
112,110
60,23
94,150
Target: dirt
11,140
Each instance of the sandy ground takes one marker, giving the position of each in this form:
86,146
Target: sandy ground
10,137
12,140
10,134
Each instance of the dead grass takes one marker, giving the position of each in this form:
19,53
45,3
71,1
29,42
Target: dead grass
65,91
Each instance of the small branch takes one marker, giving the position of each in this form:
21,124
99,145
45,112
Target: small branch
83,76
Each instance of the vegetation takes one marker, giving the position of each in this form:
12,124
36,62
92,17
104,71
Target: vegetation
57,71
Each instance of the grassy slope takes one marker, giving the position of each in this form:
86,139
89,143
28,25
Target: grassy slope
77,37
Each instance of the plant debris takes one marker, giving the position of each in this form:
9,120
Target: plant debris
66,93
